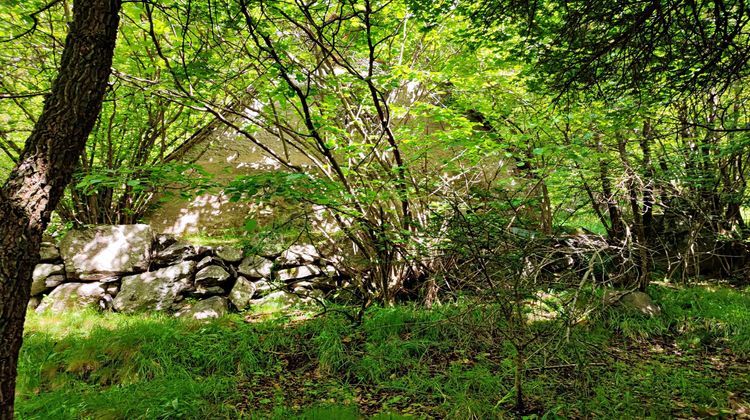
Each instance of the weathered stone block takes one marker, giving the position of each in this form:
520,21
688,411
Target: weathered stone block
102,251
229,254
154,290
298,255
214,307
48,252
255,267
70,296
211,276
242,292
298,273
41,285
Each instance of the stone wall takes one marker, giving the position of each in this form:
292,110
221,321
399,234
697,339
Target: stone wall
225,157
127,268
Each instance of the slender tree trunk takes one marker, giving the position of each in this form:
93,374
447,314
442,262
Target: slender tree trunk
637,226
45,167
649,182
617,228
518,381
545,210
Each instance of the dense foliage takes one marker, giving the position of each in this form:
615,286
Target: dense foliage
508,150
391,113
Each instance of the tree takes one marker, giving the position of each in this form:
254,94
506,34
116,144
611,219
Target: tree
45,167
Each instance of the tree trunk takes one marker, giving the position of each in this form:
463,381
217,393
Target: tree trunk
519,406
617,228
642,257
45,167
649,183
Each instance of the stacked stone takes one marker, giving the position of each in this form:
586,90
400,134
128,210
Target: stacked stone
126,268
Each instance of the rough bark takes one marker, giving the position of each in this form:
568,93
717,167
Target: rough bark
45,167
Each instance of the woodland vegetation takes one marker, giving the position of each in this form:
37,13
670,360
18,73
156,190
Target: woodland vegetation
491,178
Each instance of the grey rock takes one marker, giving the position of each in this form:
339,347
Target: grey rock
179,251
163,240
302,285
640,302
110,279
70,296
263,287
208,291
54,281
205,262
298,255
242,293
106,250
330,271
154,290
34,303
173,254
41,273
255,267
211,276
214,307
307,289
106,302
278,300
100,277
48,252
112,288
41,286
229,254
38,286
298,273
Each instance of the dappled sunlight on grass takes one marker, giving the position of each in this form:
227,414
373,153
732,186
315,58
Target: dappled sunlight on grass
445,362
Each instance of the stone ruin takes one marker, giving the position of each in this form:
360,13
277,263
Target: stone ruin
127,268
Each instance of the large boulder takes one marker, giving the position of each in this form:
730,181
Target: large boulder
154,290
214,307
255,267
242,292
212,275
71,296
102,251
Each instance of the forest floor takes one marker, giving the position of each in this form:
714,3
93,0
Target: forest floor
691,361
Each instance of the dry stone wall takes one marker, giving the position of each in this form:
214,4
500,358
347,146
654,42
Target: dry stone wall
127,268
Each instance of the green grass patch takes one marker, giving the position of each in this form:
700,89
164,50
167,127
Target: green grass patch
451,361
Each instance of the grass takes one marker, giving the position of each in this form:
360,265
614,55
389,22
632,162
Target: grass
692,361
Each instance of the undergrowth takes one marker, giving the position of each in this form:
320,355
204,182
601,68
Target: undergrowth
402,361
